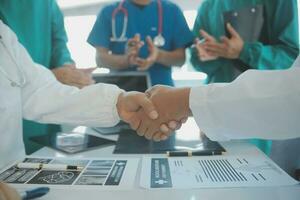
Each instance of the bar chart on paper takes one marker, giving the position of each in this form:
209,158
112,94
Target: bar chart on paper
212,172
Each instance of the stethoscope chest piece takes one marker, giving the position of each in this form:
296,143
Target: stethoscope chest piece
159,41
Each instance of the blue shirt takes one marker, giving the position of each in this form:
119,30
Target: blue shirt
144,20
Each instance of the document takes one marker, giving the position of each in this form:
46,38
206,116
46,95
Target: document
106,173
212,172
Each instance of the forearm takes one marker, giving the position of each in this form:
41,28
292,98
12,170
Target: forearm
259,104
171,58
106,59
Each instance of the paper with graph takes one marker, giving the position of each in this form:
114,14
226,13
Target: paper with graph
212,172
105,173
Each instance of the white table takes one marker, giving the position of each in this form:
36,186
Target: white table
233,148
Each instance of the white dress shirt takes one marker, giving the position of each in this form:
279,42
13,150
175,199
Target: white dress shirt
259,104
42,98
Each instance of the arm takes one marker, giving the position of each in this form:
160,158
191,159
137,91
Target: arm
259,104
171,58
60,52
106,59
46,100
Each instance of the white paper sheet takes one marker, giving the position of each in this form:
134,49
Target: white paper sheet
212,172
102,173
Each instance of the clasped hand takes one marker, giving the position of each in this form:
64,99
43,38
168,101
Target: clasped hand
157,113
132,52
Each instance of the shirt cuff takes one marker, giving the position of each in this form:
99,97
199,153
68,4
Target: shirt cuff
245,55
112,94
203,112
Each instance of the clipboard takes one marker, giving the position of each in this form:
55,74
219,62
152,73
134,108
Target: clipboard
247,21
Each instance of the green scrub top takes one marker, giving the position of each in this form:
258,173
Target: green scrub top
39,25
277,48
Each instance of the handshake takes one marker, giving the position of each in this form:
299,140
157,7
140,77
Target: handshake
156,113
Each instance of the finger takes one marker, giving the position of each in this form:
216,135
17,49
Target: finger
216,48
164,128
206,35
163,137
232,31
157,136
225,40
152,129
134,123
137,37
149,133
172,125
150,42
184,120
147,105
142,130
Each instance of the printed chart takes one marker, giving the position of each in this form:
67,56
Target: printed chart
212,172
99,172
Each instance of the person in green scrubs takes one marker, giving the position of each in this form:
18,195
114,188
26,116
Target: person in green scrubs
224,58
39,26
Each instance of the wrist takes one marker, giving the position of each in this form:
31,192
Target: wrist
120,106
182,96
160,56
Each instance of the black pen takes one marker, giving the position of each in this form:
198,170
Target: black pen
193,153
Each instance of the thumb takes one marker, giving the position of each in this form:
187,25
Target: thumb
146,104
137,37
232,31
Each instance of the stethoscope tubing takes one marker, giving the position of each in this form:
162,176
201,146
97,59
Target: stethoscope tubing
120,8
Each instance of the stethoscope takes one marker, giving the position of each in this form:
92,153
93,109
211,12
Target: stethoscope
159,40
21,74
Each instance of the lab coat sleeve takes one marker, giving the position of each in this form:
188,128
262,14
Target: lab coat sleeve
46,100
60,52
283,47
258,104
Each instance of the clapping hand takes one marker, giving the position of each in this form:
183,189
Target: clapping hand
229,48
203,54
133,48
145,64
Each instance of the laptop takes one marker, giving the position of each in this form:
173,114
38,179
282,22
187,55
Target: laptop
128,81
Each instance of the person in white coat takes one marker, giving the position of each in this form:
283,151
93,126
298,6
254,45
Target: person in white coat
32,92
258,104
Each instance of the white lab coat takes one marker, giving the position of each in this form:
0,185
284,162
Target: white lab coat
43,98
259,104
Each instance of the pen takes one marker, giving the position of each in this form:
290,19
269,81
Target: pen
193,153
35,193
40,166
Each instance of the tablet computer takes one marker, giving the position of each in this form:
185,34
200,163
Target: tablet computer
129,81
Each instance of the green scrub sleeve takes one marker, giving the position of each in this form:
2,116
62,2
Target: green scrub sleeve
284,40
60,53
260,56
